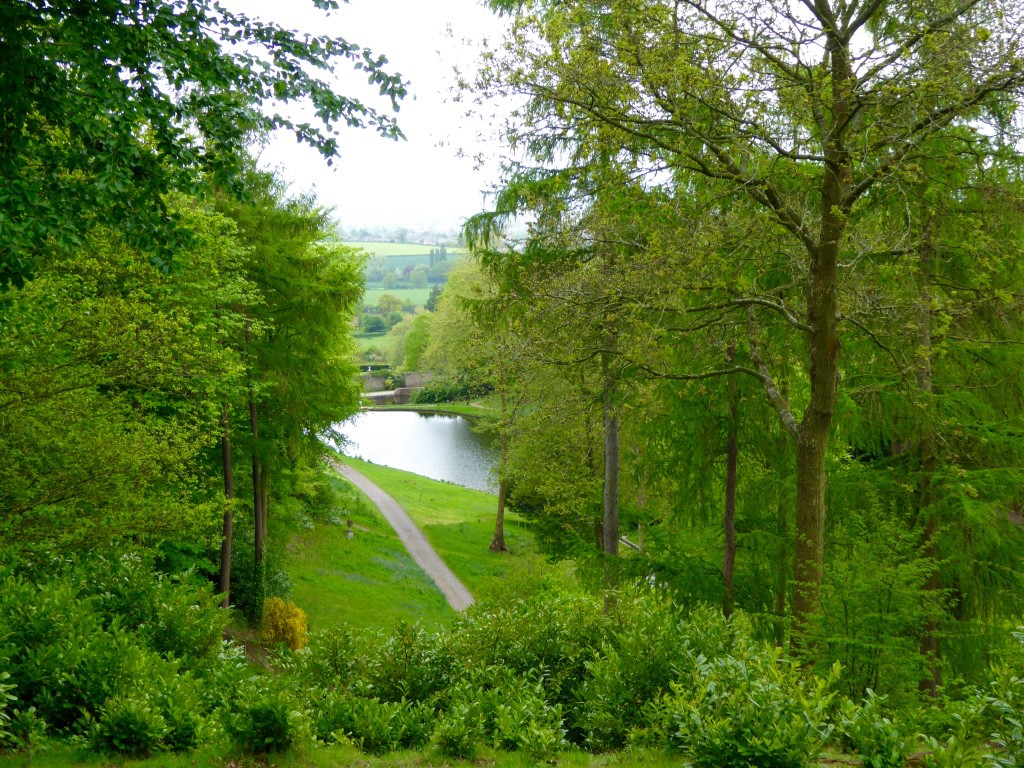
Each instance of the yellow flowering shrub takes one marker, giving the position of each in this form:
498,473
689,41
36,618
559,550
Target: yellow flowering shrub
284,622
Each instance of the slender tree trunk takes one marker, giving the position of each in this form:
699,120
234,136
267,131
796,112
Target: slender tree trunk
257,476
610,519
264,505
782,574
258,498
498,542
731,455
928,462
224,582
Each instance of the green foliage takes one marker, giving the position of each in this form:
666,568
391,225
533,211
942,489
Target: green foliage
374,726
266,718
175,616
447,391
129,725
110,348
457,731
866,731
1005,699
7,732
409,664
750,709
111,642
81,141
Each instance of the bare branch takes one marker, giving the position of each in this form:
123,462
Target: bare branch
775,396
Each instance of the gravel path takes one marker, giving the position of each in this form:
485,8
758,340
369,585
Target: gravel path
412,537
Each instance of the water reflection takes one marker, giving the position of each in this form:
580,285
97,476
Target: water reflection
434,445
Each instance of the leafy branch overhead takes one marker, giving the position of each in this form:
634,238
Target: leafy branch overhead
109,105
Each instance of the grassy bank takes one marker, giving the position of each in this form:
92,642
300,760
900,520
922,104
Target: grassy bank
459,522
369,581
470,410
330,757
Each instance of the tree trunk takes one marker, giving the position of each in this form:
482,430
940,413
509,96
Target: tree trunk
259,513
610,518
782,575
823,357
731,455
498,542
224,582
809,549
928,462
611,463
258,510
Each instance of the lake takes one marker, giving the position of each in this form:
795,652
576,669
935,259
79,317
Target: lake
438,446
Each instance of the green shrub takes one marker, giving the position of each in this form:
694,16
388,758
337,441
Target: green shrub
878,741
26,730
379,727
221,678
174,616
751,709
554,635
638,661
457,731
1005,699
129,725
6,732
407,663
450,391
331,660
100,630
266,720
180,706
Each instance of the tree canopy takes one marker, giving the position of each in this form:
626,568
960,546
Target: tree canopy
109,105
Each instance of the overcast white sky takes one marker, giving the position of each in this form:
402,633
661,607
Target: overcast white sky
416,183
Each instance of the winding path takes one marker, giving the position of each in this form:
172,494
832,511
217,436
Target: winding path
412,538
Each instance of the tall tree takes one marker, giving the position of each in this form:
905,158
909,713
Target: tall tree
109,106
806,109
301,374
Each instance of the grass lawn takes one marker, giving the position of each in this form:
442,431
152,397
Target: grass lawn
364,343
392,249
418,296
331,757
368,582
459,522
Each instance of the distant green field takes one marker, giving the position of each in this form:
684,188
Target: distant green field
418,296
402,249
364,343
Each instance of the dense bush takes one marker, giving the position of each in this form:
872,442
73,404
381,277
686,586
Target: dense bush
751,709
866,731
408,663
266,718
108,649
6,732
129,725
539,673
284,622
450,392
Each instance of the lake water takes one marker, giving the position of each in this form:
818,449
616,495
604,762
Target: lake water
434,445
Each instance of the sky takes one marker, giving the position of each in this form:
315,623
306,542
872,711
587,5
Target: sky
421,183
